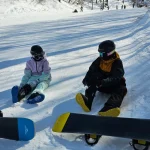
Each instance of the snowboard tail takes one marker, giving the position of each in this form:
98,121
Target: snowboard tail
61,123
14,93
132,128
20,129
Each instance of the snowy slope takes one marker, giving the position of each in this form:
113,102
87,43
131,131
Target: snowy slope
71,42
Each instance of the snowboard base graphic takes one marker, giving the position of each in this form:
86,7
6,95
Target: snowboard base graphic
132,128
20,129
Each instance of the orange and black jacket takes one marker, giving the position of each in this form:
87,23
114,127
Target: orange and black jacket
106,73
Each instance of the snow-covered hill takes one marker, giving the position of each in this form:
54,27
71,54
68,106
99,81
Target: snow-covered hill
53,6
71,42
11,7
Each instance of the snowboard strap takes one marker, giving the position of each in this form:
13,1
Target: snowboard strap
95,138
134,143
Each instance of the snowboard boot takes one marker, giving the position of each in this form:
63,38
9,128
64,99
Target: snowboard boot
35,98
109,111
83,102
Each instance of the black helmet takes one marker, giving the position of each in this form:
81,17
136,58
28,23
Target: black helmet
106,49
37,52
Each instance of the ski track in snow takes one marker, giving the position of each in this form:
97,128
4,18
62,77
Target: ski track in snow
71,46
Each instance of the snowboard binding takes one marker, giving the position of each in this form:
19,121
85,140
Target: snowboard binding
35,98
92,139
141,144
19,93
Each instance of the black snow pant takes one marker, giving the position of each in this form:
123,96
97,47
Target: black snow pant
116,98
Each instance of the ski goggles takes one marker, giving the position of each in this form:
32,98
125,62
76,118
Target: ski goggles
104,54
38,56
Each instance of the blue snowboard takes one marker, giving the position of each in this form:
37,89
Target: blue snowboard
14,93
20,129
